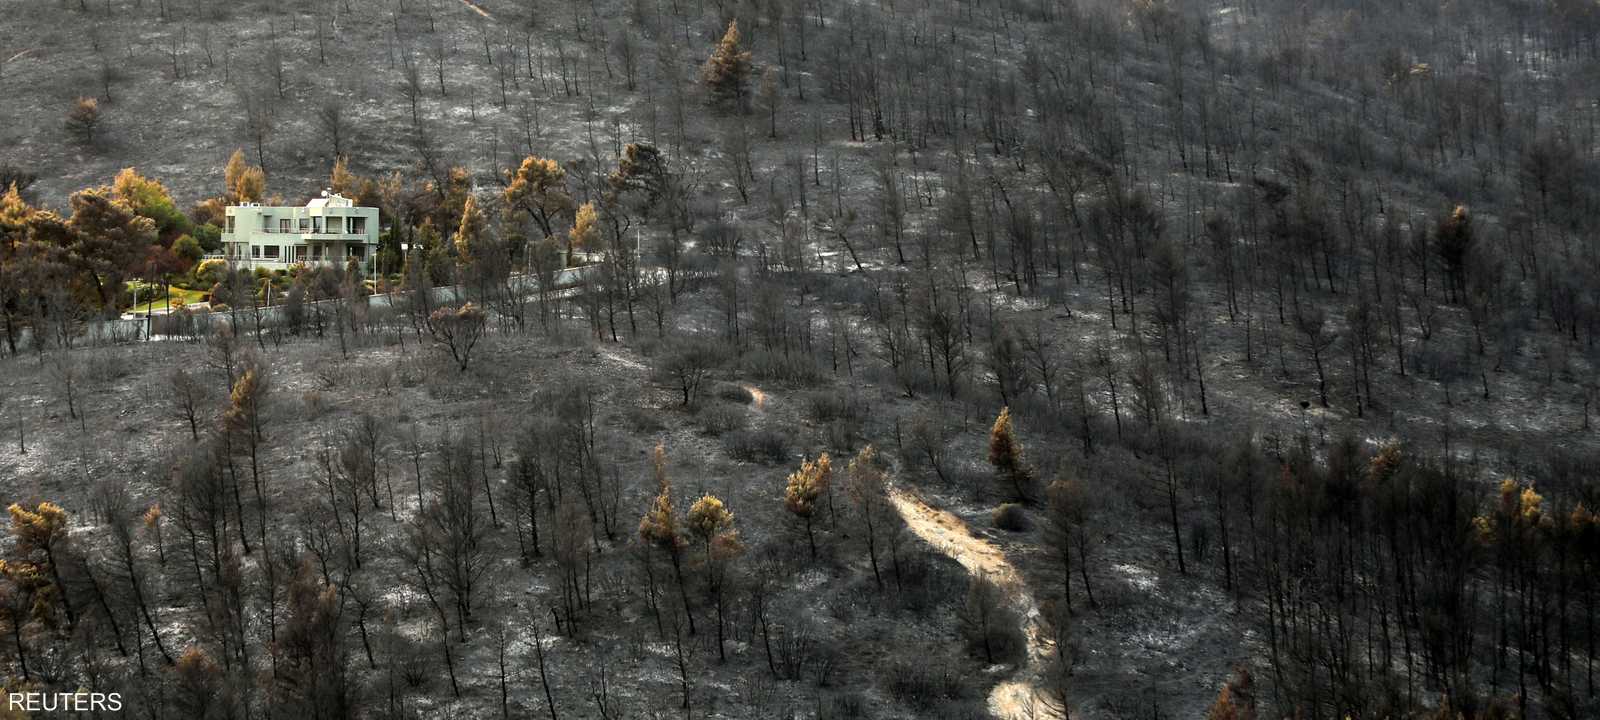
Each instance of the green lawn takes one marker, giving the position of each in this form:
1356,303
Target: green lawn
159,303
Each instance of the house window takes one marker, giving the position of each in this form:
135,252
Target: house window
358,225
283,225
266,223
230,224
255,251
357,251
272,251
305,224
316,225
335,225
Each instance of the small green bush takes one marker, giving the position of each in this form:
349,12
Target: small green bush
1011,518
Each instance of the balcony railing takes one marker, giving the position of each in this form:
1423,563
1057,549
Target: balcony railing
309,234
306,259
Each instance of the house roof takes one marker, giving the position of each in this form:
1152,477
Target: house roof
334,200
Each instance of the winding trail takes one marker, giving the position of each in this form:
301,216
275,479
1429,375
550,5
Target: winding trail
477,8
1014,698
757,398
1017,697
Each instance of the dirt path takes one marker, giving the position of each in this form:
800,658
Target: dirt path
1014,698
477,9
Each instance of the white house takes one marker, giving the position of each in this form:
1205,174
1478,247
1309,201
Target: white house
328,230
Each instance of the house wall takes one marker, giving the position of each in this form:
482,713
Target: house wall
279,237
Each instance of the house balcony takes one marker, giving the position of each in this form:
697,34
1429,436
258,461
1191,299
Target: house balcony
288,237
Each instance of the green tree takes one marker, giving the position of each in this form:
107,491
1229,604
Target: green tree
107,241
188,249
149,198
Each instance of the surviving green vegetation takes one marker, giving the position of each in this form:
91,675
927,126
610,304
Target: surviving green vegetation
165,298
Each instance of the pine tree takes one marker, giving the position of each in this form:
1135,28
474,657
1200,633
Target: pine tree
310,659
585,232
149,198
727,71
989,623
539,188
42,532
712,524
868,491
1584,534
469,235
244,182
198,682
804,488
152,522
244,419
770,100
344,182
1005,454
108,242
458,329
83,120
1454,242
1070,513
15,214
25,602
708,518
1516,528
659,526
1237,699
